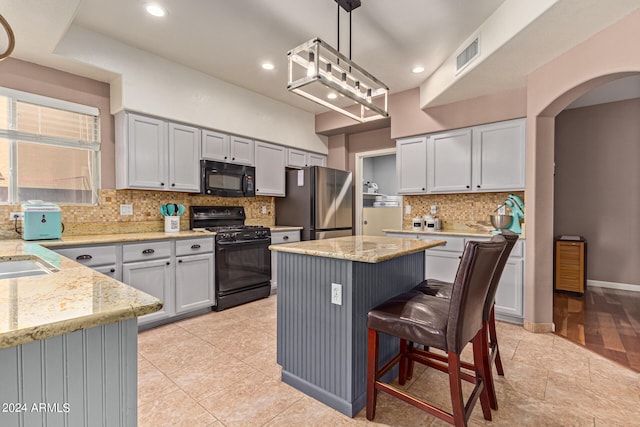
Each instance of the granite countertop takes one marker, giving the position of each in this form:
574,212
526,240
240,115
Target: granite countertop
94,239
76,297
470,232
371,249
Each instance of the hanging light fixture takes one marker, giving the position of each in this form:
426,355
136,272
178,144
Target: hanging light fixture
322,74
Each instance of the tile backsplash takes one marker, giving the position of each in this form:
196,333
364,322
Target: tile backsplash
106,219
470,210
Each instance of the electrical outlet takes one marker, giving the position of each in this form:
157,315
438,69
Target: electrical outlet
264,209
407,210
434,209
126,209
336,293
16,215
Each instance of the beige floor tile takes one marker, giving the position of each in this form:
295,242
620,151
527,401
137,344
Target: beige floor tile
265,362
154,383
244,343
186,350
528,380
553,359
252,401
174,409
309,412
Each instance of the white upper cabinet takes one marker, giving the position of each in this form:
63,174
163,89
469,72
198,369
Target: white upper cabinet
215,146
411,165
499,156
270,170
184,158
152,154
227,148
242,151
301,159
449,162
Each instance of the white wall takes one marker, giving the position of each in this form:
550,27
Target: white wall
151,84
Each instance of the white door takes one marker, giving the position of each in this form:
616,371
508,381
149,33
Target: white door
215,146
195,286
449,162
270,170
411,165
147,153
184,158
154,278
242,151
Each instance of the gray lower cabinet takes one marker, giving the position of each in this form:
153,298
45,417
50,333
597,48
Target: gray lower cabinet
102,258
441,263
194,282
277,238
155,278
110,270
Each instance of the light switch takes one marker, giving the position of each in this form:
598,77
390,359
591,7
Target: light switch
434,209
336,293
407,210
264,209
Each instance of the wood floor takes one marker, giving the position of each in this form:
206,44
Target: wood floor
606,321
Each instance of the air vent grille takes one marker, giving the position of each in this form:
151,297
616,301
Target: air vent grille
468,54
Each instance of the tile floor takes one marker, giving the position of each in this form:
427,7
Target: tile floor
219,369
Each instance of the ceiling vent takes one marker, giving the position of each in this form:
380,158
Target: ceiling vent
467,55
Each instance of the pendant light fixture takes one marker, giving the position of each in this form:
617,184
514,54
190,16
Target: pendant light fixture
322,74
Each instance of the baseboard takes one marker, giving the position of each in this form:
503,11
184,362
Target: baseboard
538,328
614,285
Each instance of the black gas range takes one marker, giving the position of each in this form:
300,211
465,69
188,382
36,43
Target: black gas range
243,259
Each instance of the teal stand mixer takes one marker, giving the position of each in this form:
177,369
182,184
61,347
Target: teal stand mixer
517,213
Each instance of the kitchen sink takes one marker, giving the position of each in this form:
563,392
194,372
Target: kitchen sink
12,267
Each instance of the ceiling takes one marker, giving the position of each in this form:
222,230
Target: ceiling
230,39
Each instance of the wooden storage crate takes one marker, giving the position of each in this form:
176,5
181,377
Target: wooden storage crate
570,263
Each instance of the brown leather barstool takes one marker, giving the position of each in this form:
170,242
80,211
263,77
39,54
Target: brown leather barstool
442,289
445,324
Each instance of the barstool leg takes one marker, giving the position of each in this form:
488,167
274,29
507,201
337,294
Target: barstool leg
477,361
486,366
402,370
494,341
372,373
457,403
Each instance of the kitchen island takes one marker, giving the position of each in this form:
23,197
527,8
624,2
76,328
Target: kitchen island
325,290
68,343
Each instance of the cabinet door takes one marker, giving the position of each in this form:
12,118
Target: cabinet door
147,153
441,265
110,270
317,160
449,162
411,165
277,238
270,172
242,151
194,282
184,158
509,301
154,278
499,156
215,146
296,158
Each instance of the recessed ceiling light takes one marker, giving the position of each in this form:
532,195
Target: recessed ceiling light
156,10
268,66
332,96
417,70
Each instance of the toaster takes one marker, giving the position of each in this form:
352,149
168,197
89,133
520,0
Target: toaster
41,221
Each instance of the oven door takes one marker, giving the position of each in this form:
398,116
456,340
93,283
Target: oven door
242,265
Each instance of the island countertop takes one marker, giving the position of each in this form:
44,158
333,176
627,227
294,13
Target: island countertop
76,297
371,249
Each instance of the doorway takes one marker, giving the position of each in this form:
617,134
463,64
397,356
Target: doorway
375,171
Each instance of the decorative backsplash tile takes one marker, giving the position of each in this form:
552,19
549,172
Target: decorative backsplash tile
105,218
470,210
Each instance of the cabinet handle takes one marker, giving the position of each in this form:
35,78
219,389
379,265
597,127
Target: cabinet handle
83,257
113,270
179,262
148,251
195,246
285,238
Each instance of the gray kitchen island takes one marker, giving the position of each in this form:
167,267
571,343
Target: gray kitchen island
325,290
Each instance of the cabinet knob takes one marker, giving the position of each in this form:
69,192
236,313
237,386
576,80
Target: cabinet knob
285,238
168,263
467,186
148,251
113,270
225,157
233,158
179,262
422,188
478,186
162,184
173,184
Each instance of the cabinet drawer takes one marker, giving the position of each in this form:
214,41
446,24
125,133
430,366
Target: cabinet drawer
145,250
285,237
194,246
454,244
90,255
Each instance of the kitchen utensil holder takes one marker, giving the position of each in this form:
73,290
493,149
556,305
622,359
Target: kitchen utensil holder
171,224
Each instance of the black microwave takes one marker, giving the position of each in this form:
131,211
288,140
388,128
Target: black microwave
226,179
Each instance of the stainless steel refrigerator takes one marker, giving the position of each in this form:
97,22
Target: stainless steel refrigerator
318,199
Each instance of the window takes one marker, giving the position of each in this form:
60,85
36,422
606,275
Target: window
49,150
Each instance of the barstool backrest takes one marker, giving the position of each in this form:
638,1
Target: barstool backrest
511,239
478,263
